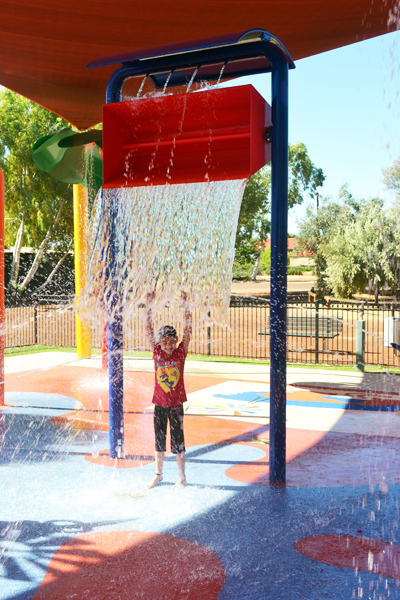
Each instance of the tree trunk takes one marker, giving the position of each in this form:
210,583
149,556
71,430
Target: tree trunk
17,253
39,255
256,266
54,271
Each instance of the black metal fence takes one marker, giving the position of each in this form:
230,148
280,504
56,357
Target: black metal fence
46,321
318,332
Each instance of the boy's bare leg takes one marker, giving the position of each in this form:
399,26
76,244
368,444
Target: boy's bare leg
180,459
159,467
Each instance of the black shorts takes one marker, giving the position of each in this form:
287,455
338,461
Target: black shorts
175,416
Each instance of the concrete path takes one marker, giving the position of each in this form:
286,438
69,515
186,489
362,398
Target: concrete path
262,286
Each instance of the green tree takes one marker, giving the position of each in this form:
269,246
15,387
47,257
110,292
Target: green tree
355,243
38,208
391,177
363,253
316,229
254,223
304,176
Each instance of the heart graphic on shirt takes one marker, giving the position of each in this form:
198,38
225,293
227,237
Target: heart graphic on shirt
168,378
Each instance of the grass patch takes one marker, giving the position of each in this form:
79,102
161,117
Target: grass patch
35,350
20,350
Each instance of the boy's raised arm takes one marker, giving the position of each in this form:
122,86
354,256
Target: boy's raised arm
187,333
149,321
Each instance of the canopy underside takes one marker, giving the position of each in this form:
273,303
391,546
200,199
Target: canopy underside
45,46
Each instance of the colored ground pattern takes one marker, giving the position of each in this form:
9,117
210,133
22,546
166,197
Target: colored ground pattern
76,524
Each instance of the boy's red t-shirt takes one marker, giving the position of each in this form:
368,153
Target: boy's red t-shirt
169,387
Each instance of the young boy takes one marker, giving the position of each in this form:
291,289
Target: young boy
169,389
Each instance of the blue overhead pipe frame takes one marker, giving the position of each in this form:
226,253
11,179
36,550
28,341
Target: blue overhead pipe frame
244,53
254,51
116,82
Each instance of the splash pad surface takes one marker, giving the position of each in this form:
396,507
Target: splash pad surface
74,521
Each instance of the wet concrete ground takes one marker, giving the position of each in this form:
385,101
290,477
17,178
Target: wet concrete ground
76,524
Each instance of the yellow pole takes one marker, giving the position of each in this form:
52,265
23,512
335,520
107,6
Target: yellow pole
83,340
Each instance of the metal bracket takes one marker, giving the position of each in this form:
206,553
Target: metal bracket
268,134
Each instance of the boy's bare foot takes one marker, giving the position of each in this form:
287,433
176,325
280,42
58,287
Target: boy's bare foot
156,479
180,483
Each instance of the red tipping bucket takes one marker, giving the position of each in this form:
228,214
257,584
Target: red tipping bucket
202,136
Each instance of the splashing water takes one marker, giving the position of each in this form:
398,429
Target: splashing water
169,238
221,73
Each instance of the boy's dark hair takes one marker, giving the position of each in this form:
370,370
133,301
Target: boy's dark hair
166,331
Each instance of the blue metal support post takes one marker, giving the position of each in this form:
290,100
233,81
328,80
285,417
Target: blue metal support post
115,330
116,385
115,348
279,228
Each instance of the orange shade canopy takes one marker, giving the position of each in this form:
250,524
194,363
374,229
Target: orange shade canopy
46,45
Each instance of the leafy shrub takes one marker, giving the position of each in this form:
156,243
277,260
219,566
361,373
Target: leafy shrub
265,264
299,270
246,253
242,271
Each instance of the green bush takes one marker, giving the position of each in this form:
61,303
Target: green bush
299,270
265,264
242,271
246,253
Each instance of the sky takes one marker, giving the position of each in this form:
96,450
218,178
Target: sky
344,105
